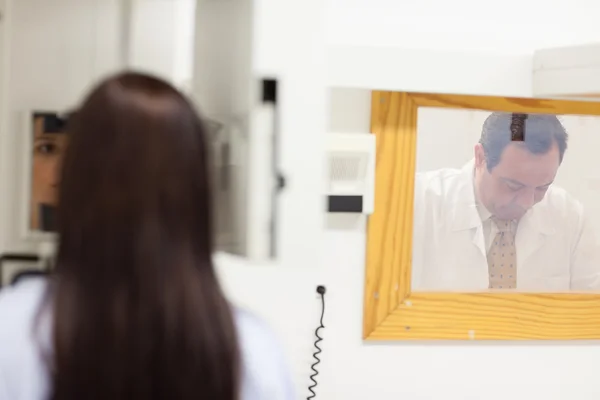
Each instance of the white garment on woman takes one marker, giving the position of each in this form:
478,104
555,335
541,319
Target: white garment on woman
24,376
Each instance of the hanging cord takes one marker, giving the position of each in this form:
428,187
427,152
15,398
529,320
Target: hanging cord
321,290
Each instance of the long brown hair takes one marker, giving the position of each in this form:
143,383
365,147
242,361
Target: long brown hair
138,312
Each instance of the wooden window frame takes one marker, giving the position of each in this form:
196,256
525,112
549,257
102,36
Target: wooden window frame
391,310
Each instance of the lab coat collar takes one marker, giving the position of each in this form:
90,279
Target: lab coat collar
466,216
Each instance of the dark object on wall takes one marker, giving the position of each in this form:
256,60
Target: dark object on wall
345,204
320,290
47,218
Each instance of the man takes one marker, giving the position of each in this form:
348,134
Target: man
498,222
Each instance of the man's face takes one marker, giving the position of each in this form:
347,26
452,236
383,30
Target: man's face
518,182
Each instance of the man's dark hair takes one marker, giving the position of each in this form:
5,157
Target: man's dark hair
537,132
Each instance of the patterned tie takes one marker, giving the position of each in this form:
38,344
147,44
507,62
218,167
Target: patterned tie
502,257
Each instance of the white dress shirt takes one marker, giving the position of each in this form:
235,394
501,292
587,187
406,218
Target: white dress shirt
23,375
489,228
556,248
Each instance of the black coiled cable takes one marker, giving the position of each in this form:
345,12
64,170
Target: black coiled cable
321,291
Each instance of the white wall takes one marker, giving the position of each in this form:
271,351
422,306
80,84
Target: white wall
352,369
507,28
355,370
285,294
161,35
54,51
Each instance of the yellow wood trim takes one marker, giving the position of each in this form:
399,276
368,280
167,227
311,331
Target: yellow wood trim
394,121
507,104
391,311
493,316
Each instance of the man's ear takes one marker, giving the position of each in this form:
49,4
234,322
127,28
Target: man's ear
479,156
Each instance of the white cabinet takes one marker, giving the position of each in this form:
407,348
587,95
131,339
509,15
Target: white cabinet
572,71
259,75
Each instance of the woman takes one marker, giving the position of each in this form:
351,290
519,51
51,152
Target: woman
49,145
133,309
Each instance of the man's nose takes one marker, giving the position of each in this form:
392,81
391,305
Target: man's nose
526,199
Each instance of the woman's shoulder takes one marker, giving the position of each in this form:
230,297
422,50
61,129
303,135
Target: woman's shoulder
19,351
265,374
257,340
265,370
20,302
19,307
250,326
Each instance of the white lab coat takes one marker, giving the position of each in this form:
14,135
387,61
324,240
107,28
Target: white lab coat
556,248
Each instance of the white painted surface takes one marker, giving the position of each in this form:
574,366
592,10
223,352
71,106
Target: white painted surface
285,294
355,370
500,39
55,51
4,97
488,27
155,56
161,35
463,46
428,70
572,71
